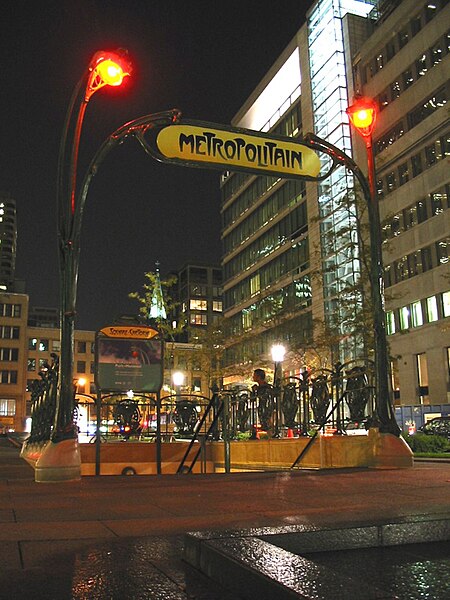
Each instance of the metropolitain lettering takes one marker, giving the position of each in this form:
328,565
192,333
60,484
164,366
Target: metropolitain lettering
264,154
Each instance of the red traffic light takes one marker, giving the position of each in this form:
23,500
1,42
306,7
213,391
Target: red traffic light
362,114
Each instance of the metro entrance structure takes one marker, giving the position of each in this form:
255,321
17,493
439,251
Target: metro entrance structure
166,137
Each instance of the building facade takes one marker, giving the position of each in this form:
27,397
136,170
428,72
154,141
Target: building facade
405,66
29,340
8,241
199,298
291,251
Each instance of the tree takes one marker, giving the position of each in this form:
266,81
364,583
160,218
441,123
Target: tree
157,305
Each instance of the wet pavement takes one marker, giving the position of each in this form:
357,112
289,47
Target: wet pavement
122,537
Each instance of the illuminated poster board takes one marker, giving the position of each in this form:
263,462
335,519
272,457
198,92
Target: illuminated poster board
124,364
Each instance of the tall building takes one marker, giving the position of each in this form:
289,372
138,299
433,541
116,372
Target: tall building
199,297
8,241
405,66
291,248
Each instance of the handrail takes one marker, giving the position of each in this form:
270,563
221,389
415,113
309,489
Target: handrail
181,467
316,433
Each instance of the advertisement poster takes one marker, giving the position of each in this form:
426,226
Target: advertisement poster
129,364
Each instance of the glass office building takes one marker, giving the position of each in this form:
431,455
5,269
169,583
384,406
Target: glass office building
292,250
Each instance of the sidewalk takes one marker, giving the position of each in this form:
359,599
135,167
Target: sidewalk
121,537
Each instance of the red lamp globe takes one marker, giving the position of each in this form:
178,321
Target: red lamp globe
362,114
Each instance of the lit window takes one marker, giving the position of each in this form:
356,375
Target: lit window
255,284
432,309
32,343
416,314
198,304
404,318
446,304
217,305
199,320
443,251
390,322
43,346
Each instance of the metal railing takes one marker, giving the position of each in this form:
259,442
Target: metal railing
329,401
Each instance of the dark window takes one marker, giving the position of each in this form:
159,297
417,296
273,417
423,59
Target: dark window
379,62
408,78
427,262
436,53
383,99
421,112
416,162
430,11
410,217
416,25
436,203
403,174
443,251
403,37
390,49
431,156
81,347
380,191
395,90
421,211
391,182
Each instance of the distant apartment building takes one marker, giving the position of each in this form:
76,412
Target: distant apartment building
199,298
8,241
13,353
28,339
284,248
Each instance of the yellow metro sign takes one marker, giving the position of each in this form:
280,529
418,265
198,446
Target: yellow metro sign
210,145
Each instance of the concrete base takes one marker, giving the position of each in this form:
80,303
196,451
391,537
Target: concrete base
66,461
54,462
390,451
376,450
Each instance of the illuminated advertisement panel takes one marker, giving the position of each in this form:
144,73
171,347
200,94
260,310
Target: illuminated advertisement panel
129,364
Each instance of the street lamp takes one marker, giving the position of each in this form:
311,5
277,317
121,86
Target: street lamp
105,68
362,114
278,351
178,380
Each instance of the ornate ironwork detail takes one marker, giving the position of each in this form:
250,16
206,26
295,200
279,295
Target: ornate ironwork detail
357,392
127,416
185,416
289,404
43,402
320,397
243,411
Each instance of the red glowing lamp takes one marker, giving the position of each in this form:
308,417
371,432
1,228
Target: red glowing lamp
107,68
362,114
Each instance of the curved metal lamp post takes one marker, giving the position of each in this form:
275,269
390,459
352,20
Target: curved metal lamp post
384,416
105,68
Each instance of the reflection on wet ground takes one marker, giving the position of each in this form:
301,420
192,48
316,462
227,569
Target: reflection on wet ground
137,569
408,572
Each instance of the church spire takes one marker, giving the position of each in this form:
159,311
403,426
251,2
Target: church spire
157,307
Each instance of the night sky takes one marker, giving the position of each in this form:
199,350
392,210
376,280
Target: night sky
204,57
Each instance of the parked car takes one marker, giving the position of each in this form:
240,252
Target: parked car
437,426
